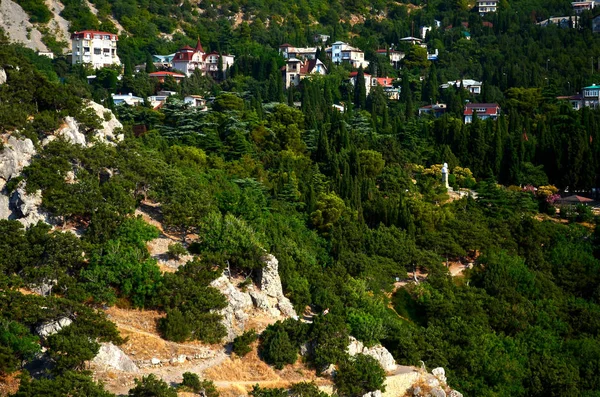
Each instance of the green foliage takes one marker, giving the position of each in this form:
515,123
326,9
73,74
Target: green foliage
37,10
176,250
191,382
359,375
151,386
276,348
241,344
67,384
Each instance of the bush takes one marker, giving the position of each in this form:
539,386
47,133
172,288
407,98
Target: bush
175,327
205,388
276,348
176,251
359,375
241,344
151,386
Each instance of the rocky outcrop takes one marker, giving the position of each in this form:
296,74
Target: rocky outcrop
111,131
110,356
239,303
70,132
15,156
432,384
264,298
26,206
378,352
269,283
2,76
47,329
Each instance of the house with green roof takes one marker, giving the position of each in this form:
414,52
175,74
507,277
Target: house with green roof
591,96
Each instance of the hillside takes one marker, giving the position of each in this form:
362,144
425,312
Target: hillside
308,199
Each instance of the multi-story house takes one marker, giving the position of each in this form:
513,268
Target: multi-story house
188,59
483,111
485,6
289,51
296,70
341,52
581,6
98,49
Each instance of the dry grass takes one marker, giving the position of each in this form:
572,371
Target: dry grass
247,368
9,384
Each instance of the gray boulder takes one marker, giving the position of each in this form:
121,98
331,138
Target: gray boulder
2,76
111,131
70,132
378,352
437,392
440,374
454,393
27,206
234,315
47,329
110,356
270,283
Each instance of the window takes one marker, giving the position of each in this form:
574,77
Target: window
106,37
97,51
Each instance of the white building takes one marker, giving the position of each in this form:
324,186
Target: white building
188,59
393,55
196,101
473,86
342,52
288,51
295,70
98,49
485,6
129,99
580,6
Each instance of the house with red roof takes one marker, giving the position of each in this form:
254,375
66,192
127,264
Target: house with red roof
95,48
483,111
385,82
189,59
296,70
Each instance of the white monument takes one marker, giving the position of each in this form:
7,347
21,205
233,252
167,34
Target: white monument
445,176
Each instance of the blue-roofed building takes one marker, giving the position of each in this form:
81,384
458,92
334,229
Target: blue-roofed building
165,60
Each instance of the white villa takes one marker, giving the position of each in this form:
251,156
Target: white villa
289,51
473,86
340,52
98,49
296,70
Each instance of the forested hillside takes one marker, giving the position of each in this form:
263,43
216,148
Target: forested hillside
349,202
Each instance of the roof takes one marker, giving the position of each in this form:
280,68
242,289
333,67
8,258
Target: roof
285,45
487,24
575,199
199,46
592,87
577,97
490,109
165,74
385,81
410,38
75,34
354,74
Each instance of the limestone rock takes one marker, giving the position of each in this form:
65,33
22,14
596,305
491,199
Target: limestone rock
111,127
70,132
234,315
16,155
2,76
155,361
417,391
45,330
287,309
376,393
5,211
27,206
437,392
432,381
260,300
378,352
270,283
113,357
15,22
44,289
454,393
440,374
